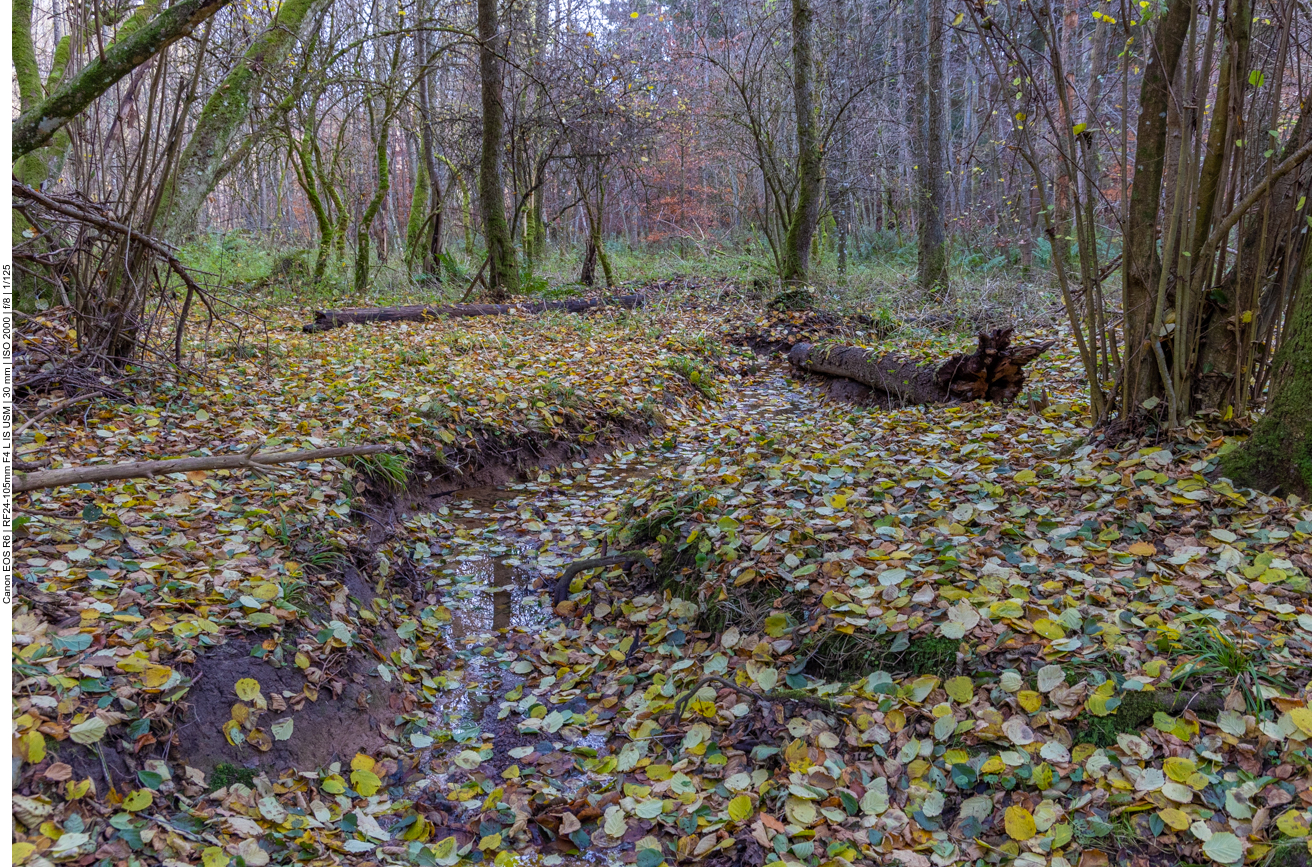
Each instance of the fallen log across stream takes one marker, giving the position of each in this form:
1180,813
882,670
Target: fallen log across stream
326,320
994,371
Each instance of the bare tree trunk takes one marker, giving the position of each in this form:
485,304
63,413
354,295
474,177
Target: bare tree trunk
931,249
503,272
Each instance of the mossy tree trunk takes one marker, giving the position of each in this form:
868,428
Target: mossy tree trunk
416,242
431,230
304,165
38,124
1278,456
339,207
361,280
595,246
203,162
503,273
26,72
801,226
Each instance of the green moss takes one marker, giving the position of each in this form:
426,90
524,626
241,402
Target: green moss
418,214
799,298
1134,714
1278,456
847,658
225,774
933,656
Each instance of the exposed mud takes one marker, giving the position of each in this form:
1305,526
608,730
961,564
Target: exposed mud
343,719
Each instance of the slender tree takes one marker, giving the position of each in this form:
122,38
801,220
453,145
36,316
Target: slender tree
806,210
503,272
931,168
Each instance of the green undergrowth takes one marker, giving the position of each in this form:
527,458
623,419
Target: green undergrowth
696,371
848,657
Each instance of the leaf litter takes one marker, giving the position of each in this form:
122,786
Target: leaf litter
933,635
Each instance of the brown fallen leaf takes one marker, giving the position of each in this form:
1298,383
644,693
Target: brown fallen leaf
58,772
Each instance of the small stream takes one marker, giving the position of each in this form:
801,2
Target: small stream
509,544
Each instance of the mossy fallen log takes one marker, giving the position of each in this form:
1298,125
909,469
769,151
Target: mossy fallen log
326,320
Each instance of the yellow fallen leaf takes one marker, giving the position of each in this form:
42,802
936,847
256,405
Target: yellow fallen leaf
1293,823
1179,769
213,856
36,747
960,689
155,676
1302,718
1019,823
1177,820
740,808
366,783
247,688
138,800
1049,629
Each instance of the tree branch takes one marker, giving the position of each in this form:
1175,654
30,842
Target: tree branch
35,126
140,469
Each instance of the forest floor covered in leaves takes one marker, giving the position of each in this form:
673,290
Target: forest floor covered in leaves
918,636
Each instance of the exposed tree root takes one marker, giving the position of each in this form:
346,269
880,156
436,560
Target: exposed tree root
628,560
681,705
